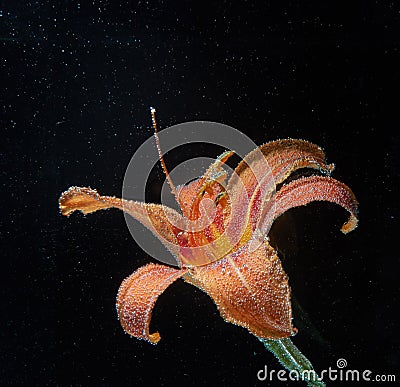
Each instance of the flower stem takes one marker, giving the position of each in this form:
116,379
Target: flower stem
293,360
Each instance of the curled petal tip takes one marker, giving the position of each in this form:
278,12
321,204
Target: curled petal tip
350,225
154,338
329,168
83,199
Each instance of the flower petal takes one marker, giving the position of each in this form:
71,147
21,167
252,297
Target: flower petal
256,177
302,191
164,222
137,295
283,157
250,289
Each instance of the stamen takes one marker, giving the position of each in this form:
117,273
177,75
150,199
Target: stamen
163,165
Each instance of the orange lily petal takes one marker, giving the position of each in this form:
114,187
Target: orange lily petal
272,163
250,289
283,157
137,295
155,217
308,189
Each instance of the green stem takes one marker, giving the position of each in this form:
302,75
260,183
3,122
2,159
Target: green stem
293,360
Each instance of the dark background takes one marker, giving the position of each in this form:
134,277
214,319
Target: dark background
77,80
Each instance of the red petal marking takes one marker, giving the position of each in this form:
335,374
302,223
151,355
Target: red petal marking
250,289
137,295
155,217
302,191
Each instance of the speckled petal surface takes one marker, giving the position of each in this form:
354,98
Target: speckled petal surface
137,295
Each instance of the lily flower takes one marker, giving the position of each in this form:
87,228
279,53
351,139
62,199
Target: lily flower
220,241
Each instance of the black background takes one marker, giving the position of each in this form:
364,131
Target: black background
77,80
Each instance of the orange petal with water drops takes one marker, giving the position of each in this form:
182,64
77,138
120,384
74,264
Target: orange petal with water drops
257,175
164,222
137,295
302,191
250,289
282,157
